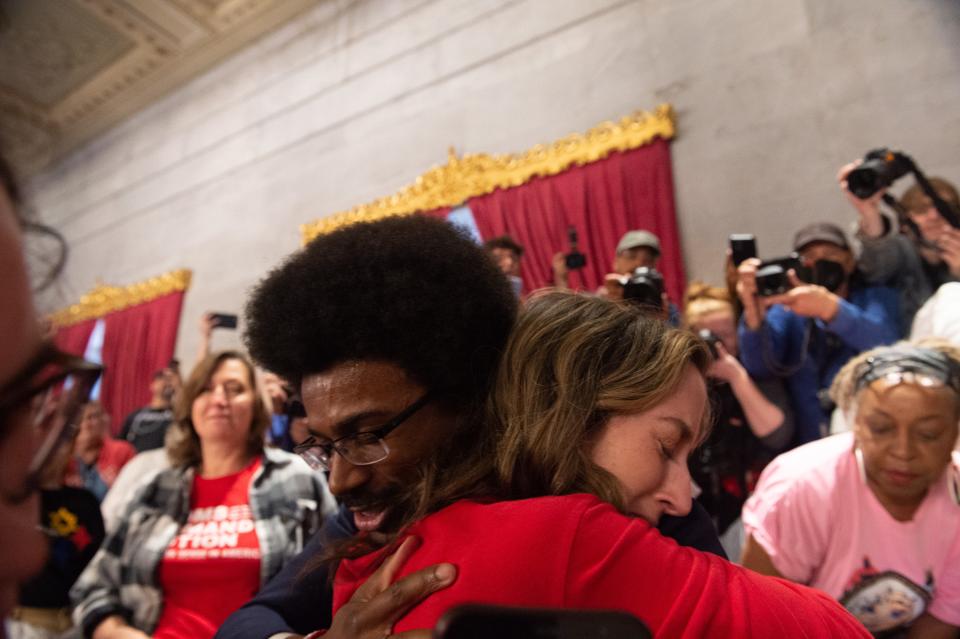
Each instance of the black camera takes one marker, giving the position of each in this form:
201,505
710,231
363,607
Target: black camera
743,246
711,339
772,275
574,259
645,287
880,168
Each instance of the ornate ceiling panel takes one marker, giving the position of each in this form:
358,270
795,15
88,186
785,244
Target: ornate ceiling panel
70,69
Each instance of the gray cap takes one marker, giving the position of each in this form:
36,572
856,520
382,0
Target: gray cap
820,232
635,239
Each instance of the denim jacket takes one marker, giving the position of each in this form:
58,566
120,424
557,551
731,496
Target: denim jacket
288,501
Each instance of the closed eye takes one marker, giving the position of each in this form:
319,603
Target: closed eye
666,451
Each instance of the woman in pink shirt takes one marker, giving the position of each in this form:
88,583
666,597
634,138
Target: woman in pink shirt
872,517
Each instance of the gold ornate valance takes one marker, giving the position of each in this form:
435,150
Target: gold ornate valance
104,298
473,175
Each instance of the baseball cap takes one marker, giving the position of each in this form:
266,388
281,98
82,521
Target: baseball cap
635,239
820,232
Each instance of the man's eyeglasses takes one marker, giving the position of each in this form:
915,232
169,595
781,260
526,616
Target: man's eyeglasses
360,449
50,391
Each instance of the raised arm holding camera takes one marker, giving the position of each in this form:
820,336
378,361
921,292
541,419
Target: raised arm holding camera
752,420
806,331
919,249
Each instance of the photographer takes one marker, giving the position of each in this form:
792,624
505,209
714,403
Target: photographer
914,265
808,332
637,249
752,420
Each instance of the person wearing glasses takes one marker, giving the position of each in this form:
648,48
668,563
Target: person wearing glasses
914,264
391,332
872,517
555,501
201,537
33,426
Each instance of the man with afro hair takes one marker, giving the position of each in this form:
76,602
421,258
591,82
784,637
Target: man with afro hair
392,332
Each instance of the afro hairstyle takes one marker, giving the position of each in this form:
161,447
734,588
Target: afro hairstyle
413,291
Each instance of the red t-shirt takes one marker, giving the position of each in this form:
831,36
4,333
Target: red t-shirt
113,457
578,552
212,566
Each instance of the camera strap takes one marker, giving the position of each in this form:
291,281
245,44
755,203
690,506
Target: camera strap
946,211
766,350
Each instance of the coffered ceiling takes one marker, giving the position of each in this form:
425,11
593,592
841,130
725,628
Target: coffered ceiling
70,69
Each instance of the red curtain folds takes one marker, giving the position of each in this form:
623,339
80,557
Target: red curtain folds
603,200
137,342
73,339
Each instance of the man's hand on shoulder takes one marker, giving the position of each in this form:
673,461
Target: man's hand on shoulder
381,601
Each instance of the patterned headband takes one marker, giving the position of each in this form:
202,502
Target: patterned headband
927,366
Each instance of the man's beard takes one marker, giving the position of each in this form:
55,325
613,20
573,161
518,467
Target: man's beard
397,501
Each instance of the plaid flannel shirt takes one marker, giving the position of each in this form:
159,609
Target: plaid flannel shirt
288,500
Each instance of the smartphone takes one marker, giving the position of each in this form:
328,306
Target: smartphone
742,246
574,259
472,621
224,320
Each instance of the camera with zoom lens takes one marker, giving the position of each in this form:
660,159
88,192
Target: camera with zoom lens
645,287
772,275
880,168
711,340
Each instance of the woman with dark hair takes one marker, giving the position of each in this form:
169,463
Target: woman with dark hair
202,537
594,413
872,517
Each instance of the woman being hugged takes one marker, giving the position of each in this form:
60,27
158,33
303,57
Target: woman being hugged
872,517
203,536
593,415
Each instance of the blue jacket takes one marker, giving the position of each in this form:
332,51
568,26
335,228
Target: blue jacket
867,318
301,601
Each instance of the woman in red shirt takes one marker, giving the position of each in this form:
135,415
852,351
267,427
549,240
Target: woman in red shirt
594,413
203,536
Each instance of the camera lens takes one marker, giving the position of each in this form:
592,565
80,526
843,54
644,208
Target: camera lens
864,181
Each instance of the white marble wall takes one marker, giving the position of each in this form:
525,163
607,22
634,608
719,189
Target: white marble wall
352,101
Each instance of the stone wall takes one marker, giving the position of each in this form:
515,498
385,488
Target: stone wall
355,99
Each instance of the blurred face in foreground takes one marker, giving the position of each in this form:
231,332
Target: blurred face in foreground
22,548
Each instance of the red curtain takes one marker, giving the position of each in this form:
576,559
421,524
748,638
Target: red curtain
137,342
73,339
603,200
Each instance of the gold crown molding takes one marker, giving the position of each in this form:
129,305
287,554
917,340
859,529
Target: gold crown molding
104,298
478,174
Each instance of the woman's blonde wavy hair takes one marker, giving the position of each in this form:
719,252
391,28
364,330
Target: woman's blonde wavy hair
701,300
573,362
182,443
